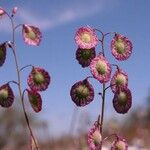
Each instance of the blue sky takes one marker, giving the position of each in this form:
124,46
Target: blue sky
58,21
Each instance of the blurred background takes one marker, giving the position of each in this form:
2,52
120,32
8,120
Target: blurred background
60,125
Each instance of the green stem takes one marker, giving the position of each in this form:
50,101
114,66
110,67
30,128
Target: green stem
19,80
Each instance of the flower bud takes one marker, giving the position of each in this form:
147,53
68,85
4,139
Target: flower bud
14,10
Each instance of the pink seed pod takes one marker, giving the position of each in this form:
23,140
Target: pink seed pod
38,79
82,93
85,56
2,53
121,47
94,137
119,144
14,10
100,68
122,100
31,35
6,96
2,12
35,100
119,80
86,38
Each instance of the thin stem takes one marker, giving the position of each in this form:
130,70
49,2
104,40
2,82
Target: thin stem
103,36
98,121
115,66
109,33
109,86
13,82
19,80
103,92
115,135
27,120
7,14
17,26
99,31
89,77
102,41
103,44
102,109
25,67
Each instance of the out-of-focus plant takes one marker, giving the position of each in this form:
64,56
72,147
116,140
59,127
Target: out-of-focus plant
82,92
38,79
13,126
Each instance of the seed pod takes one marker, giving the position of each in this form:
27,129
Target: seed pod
35,100
85,56
86,38
38,79
119,80
2,12
94,137
121,47
82,93
14,10
31,35
2,53
119,144
6,96
101,69
122,100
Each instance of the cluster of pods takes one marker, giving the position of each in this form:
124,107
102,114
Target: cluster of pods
82,92
38,79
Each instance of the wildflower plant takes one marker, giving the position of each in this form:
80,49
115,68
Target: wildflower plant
38,79
82,92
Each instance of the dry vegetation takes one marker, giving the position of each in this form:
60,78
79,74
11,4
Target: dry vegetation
13,131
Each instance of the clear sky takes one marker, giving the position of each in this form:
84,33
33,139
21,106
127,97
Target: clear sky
58,21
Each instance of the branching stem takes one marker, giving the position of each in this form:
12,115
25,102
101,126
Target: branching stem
13,46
